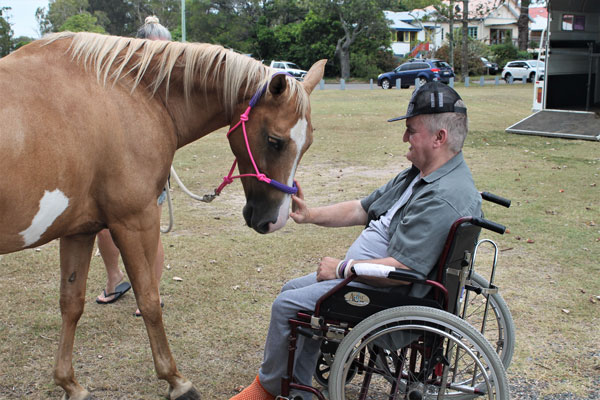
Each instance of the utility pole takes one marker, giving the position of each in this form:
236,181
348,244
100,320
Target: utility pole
451,34
183,20
465,41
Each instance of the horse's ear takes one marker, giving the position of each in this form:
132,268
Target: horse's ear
278,84
314,75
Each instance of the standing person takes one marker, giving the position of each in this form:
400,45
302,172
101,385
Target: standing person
407,221
152,30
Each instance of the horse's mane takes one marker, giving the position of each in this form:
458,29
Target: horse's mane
114,57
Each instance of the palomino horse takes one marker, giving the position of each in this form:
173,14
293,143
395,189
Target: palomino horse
90,125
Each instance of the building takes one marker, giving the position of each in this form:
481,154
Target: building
490,21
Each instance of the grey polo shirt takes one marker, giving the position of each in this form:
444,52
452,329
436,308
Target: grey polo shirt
418,230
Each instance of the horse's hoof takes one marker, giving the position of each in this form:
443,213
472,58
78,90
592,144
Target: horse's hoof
83,396
191,394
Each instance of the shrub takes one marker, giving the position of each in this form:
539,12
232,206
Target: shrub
506,52
476,49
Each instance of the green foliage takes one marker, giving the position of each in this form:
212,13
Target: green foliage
5,34
84,22
475,49
117,17
58,13
21,41
351,34
506,52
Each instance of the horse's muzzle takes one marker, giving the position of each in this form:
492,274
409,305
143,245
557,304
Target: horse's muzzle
256,219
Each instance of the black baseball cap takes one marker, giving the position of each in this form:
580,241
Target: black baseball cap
432,98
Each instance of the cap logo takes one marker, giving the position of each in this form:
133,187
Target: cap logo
440,99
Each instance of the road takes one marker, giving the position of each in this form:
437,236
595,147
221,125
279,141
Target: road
366,86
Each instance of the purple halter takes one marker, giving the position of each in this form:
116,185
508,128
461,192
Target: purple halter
258,175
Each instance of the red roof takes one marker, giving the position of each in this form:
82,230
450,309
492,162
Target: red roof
538,12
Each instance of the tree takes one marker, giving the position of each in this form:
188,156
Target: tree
84,22
5,34
523,25
357,18
58,13
21,41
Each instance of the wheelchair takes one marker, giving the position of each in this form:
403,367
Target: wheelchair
454,343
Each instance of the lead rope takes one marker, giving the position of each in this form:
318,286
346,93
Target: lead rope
207,198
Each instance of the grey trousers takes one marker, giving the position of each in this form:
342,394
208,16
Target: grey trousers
296,295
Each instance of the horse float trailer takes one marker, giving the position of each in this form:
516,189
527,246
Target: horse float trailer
566,97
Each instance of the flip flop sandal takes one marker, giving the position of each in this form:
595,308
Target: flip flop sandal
120,290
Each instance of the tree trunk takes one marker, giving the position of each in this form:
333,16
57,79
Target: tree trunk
343,52
523,25
465,41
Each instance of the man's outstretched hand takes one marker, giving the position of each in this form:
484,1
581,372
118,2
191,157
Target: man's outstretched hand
300,213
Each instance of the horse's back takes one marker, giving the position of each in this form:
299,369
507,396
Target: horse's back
62,136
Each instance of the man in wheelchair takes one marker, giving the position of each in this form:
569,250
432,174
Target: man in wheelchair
407,221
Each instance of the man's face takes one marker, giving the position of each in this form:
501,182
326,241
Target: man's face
420,140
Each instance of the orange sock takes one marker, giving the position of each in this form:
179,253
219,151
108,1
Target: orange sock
254,392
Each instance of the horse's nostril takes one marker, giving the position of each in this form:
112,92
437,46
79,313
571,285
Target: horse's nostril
262,228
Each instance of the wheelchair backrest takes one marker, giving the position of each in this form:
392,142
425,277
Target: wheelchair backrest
455,260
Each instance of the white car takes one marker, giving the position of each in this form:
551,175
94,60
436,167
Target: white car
290,68
523,69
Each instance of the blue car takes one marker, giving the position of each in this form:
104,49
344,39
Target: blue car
424,70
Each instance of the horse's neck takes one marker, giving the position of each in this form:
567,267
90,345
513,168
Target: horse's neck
196,117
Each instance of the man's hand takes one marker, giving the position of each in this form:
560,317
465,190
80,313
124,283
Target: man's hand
327,267
299,213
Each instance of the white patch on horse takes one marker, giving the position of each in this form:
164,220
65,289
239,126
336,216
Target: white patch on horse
52,205
298,135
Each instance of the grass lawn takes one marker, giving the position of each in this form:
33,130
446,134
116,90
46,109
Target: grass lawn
216,316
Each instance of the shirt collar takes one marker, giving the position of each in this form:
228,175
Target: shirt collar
445,169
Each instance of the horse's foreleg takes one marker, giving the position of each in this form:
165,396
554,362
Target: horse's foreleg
75,255
138,249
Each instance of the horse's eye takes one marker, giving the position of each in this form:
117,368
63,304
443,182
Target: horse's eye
275,143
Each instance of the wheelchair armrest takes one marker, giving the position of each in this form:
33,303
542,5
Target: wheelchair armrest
387,271
408,275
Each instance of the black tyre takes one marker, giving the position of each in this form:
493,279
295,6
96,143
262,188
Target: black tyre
497,326
416,352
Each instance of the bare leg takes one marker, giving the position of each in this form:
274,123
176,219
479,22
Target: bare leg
75,255
110,256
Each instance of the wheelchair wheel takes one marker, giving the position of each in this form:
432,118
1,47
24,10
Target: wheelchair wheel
324,368
499,328
416,353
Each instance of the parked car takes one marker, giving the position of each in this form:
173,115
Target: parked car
424,70
523,69
490,67
290,68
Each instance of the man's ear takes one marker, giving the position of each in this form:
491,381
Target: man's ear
441,138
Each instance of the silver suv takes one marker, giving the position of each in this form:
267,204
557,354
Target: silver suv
523,69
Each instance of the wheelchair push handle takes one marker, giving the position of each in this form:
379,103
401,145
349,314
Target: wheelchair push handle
487,224
496,199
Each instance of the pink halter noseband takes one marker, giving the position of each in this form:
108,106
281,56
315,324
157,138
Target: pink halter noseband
258,175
